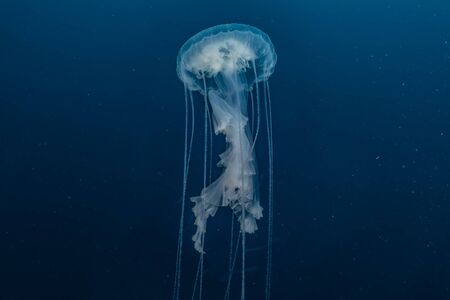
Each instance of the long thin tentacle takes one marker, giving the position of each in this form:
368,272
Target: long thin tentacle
205,161
230,275
210,144
253,112
258,119
187,157
242,199
230,258
268,107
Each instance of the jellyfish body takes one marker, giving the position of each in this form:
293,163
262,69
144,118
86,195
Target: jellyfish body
225,63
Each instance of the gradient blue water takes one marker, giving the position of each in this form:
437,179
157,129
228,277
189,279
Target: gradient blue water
91,137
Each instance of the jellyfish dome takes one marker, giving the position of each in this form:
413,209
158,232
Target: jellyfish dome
229,65
226,49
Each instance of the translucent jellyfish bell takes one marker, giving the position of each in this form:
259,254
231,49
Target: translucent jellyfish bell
228,64
228,48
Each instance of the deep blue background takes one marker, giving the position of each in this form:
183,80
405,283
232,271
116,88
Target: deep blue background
91,139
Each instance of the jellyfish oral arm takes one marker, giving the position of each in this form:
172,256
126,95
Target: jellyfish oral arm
236,187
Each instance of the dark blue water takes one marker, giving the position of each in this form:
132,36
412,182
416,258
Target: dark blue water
91,149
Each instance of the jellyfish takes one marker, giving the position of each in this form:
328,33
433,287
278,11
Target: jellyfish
229,66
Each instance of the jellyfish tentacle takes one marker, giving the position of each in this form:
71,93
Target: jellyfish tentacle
192,129
227,291
196,280
252,130
202,254
268,107
210,145
187,158
258,118
230,258
242,200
